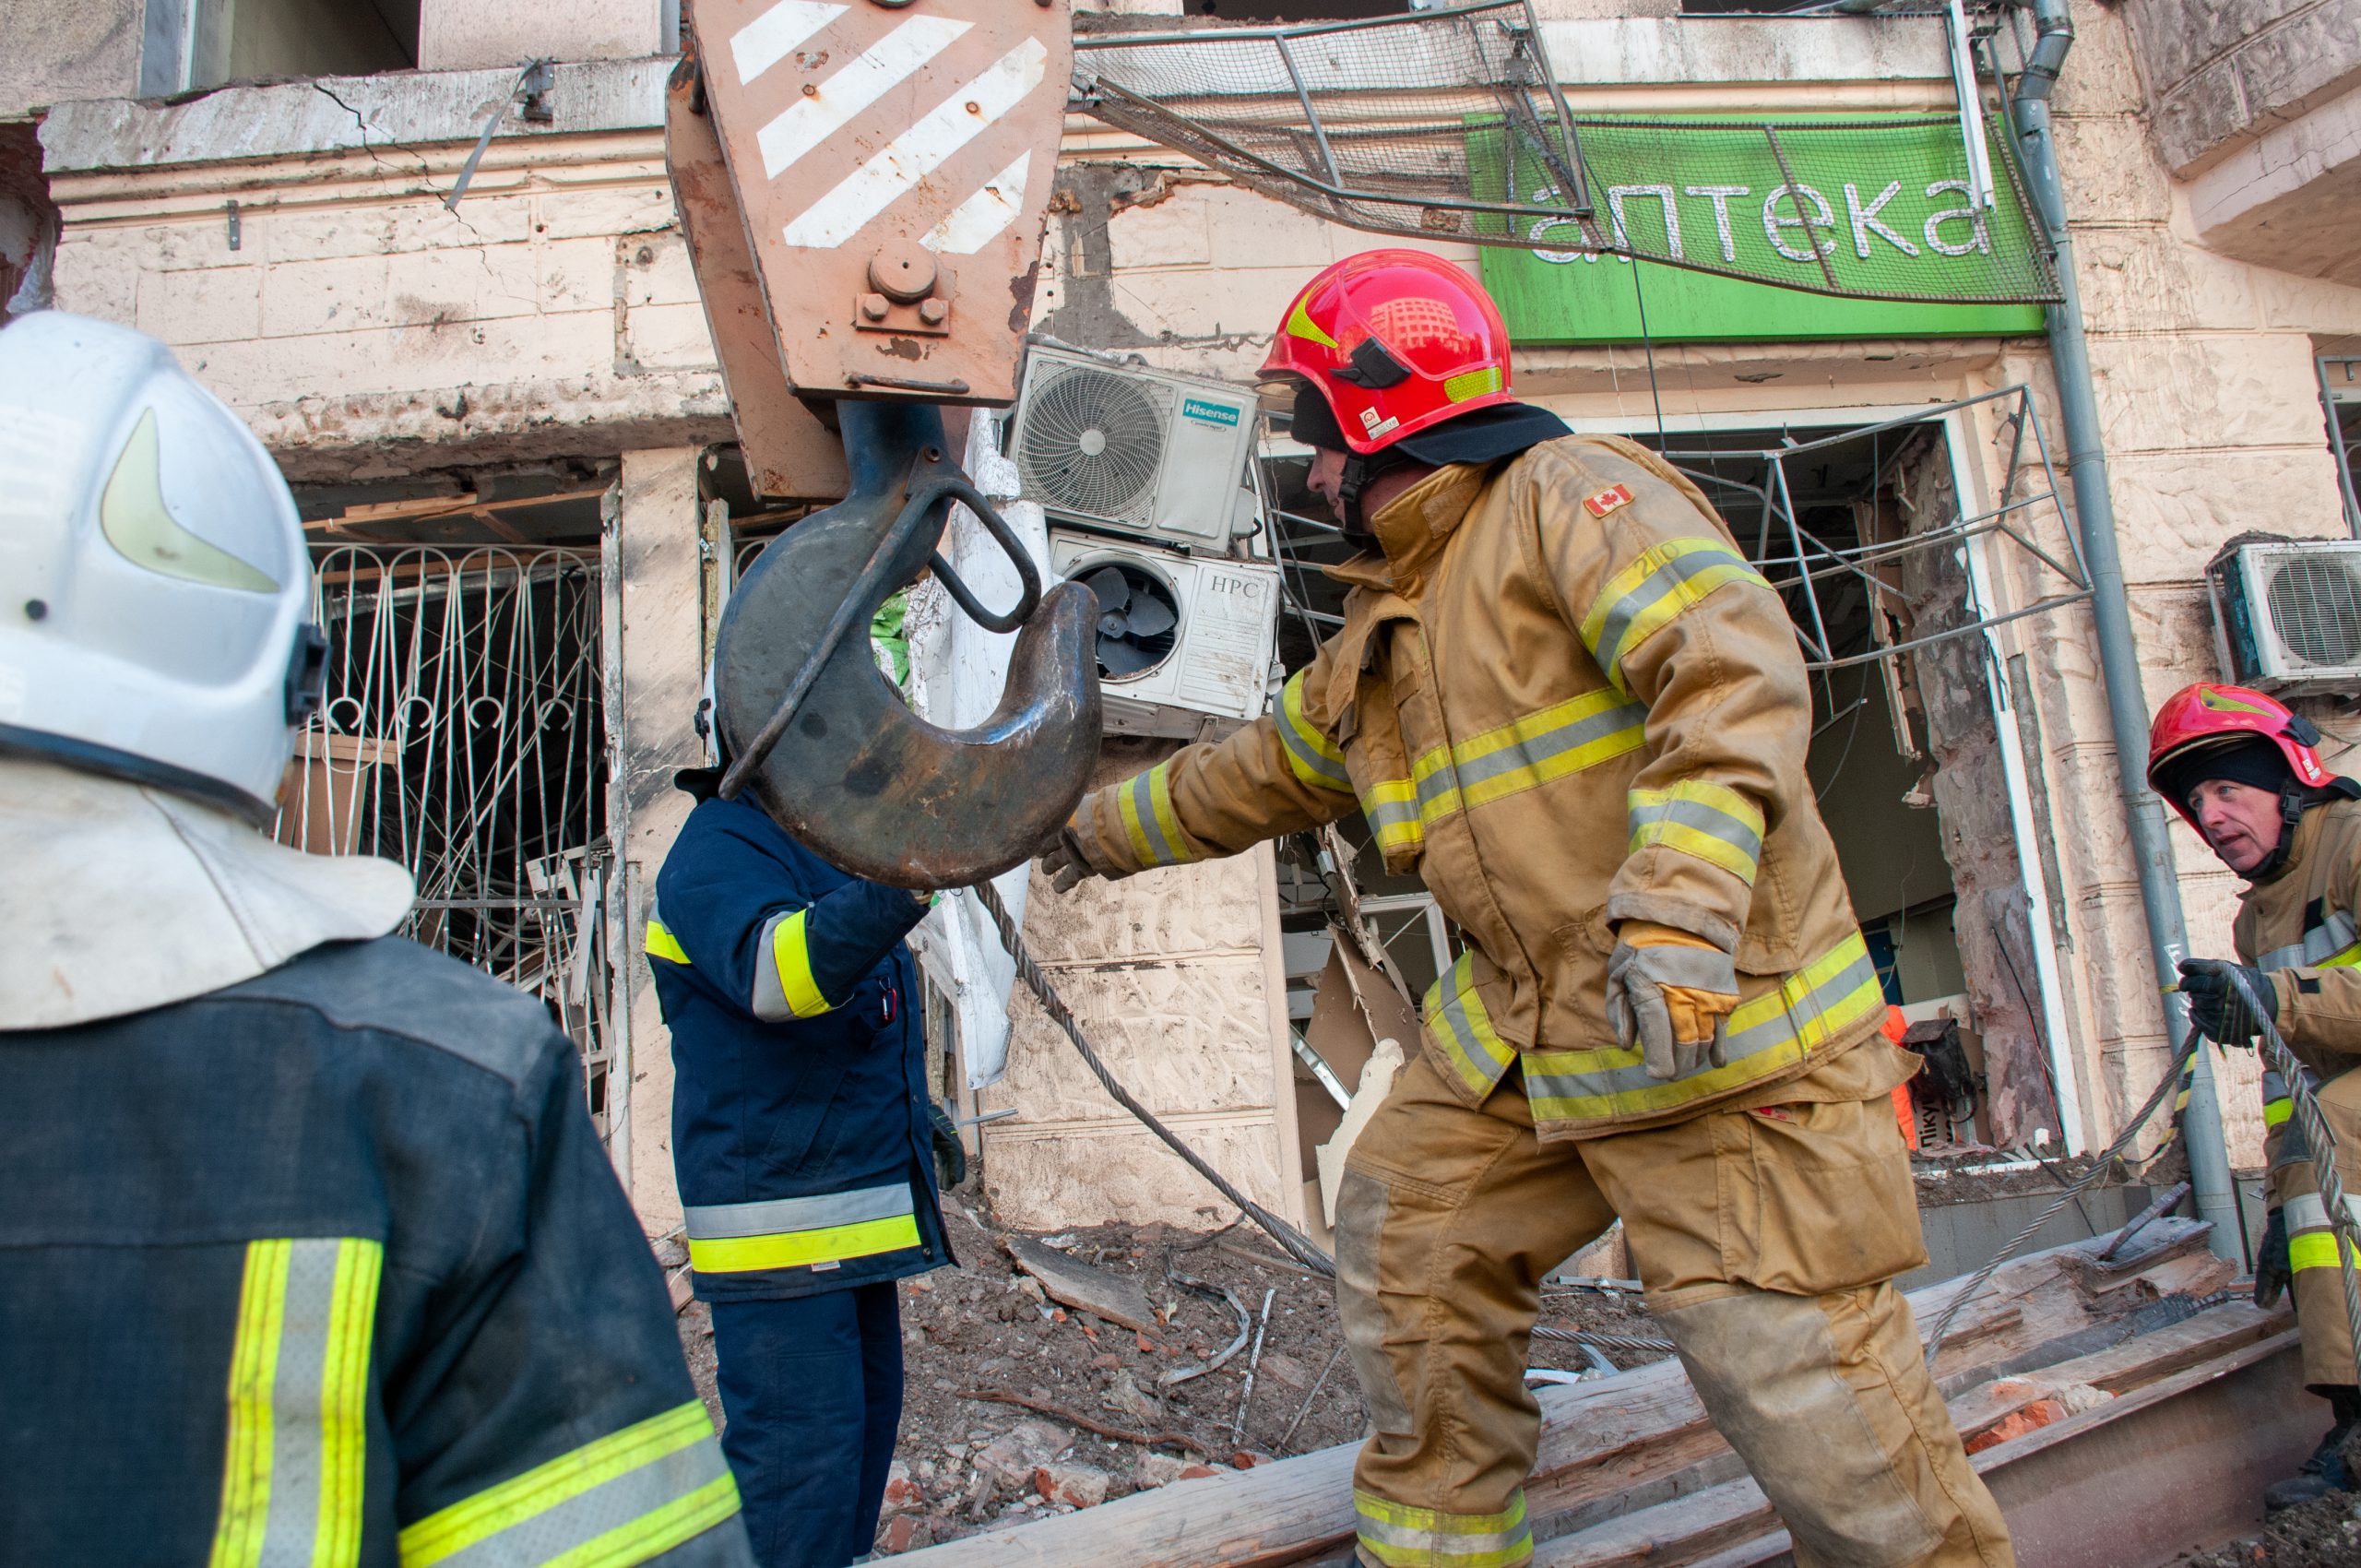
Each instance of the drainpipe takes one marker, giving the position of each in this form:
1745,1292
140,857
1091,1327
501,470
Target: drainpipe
2209,1164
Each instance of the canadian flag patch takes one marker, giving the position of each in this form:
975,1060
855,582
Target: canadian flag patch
1607,500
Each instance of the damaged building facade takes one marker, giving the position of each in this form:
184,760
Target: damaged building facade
450,294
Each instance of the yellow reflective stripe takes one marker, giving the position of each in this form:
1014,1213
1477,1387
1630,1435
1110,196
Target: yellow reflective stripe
1473,384
253,1370
1458,1018
1701,818
792,952
2345,960
344,1402
296,1455
1642,598
665,1471
801,1248
1145,804
2316,1251
1301,324
2276,1112
1566,737
1402,1536
1312,757
1390,805
1765,1033
662,944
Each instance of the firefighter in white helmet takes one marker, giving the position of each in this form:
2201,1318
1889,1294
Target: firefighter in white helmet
312,1254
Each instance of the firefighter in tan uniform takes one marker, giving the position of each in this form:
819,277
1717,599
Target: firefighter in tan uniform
2243,770
1565,699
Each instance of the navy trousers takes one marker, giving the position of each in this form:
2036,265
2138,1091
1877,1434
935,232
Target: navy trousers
812,1391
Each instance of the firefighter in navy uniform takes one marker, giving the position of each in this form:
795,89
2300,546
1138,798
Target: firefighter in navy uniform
802,1135
2243,770
309,1252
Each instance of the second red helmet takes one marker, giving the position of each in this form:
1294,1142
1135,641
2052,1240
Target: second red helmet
2209,717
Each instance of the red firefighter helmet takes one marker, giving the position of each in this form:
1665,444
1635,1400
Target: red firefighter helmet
1394,341
2208,717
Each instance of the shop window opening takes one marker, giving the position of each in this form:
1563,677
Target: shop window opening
2341,404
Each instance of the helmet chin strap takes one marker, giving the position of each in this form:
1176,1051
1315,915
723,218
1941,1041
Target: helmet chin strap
1353,482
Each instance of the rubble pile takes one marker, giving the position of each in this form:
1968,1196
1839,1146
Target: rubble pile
1022,1402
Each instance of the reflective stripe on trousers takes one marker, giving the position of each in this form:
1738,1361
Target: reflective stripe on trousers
801,1232
629,1496
1400,1537
1766,1034
299,1405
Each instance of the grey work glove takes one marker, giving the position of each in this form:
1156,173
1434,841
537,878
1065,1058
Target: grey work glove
1673,1001
1064,864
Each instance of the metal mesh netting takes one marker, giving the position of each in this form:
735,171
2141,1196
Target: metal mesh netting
1449,124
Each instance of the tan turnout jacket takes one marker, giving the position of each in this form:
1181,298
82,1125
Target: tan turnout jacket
1563,697
2298,927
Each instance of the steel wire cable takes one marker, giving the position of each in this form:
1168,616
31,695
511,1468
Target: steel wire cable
2099,1167
1297,1245
2320,1146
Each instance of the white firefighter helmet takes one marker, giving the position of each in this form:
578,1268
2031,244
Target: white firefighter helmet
155,593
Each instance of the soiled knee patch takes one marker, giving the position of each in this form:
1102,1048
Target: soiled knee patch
1767,1367
1362,1204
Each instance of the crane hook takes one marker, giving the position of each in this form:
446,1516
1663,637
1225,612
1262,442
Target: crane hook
828,747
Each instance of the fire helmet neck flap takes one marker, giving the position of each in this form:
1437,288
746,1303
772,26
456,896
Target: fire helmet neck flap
155,591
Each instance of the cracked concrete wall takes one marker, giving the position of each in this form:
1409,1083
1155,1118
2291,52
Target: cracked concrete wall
364,330
59,50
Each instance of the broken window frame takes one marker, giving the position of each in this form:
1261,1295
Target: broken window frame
2340,379
2010,409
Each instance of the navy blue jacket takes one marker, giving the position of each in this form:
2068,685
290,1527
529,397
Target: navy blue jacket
329,1267
799,1130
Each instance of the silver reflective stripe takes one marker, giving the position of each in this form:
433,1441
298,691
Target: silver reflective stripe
1533,750
2320,944
298,1404
2305,1212
1143,803
550,1534
722,1222
1445,1545
1783,1028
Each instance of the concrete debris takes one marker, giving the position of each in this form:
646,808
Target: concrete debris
1013,1456
1082,1285
1163,1470
1072,1483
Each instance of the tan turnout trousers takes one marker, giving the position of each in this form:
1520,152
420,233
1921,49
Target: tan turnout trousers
1765,1239
2319,1289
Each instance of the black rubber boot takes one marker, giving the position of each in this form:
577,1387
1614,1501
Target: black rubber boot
2324,1471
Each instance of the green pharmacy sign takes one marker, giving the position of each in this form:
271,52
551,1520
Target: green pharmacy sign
1768,231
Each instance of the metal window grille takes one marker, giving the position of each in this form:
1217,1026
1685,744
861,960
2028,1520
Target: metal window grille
463,735
1451,124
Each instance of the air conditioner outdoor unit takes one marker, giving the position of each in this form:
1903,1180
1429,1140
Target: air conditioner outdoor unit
2289,615
1185,643
1137,451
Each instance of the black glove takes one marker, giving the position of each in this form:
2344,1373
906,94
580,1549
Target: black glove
1064,864
2273,1270
950,1154
2217,1002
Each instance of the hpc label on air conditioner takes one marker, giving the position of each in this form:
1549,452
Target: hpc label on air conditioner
1228,649
1205,413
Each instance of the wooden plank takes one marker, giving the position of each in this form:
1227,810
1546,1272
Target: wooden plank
1597,1439
1702,1525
